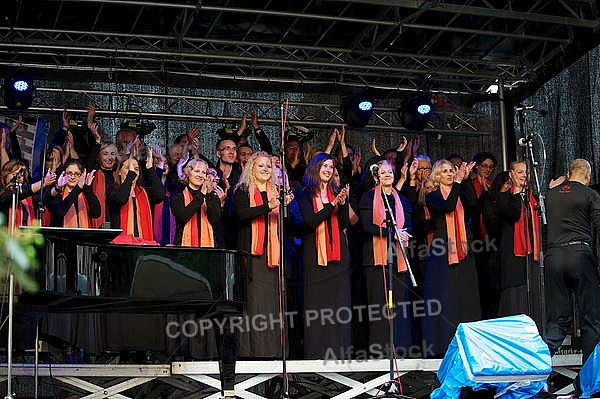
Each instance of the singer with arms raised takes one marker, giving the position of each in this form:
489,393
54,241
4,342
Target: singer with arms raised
373,214
450,285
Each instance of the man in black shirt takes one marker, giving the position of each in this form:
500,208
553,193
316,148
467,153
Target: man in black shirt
573,211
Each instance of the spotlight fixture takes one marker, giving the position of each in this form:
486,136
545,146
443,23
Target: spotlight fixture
141,128
415,112
18,91
357,111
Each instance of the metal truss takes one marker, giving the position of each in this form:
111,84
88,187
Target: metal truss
448,47
215,107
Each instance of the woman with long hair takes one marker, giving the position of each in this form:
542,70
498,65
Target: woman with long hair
14,175
76,205
196,208
450,286
373,210
325,257
130,200
257,204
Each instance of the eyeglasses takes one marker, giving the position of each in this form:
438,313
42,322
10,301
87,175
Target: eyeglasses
75,174
228,148
292,147
421,169
486,166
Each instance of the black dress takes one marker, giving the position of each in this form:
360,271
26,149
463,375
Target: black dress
376,285
326,288
451,292
513,269
260,335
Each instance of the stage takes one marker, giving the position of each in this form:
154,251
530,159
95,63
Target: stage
254,379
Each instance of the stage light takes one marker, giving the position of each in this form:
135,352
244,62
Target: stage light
415,112
357,111
18,91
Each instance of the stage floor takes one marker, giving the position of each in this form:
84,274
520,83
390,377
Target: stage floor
254,379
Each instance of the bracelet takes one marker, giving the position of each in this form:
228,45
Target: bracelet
59,189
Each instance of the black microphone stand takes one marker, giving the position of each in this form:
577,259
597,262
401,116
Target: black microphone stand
11,289
530,161
392,228
283,214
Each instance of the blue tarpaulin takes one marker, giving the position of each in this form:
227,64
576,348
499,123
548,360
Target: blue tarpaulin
507,354
589,376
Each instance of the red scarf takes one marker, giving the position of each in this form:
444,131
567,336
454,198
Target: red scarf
521,246
328,247
79,219
259,228
380,242
25,215
190,230
143,215
457,232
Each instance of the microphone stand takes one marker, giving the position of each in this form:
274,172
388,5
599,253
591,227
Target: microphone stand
11,289
283,214
530,160
393,227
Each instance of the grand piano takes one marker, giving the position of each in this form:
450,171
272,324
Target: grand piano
83,273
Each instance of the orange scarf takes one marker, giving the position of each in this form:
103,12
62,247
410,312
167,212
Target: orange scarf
521,247
259,228
143,216
429,237
25,215
328,247
457,232
80,218
190,230
380,242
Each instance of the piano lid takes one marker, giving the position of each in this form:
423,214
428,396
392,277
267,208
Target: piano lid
80,236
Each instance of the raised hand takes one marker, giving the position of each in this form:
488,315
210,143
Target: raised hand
149,159
62,180
254,118
402,145
94,130
81,179
374,149
91,112
89,178
50,178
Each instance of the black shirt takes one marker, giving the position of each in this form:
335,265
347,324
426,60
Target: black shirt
572,209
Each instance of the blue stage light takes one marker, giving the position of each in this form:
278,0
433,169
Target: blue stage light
356,111
415,112
18,90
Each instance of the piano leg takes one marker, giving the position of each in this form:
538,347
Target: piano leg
227,362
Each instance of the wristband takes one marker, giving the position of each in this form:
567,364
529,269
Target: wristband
59,189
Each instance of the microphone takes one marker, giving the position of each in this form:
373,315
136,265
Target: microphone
374,171
524,141
521,108
20,173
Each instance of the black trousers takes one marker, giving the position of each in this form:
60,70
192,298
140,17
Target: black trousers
572,268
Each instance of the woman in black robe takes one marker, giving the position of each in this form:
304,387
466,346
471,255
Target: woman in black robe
450,286
327,300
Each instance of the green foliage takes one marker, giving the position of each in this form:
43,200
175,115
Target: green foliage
19,254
